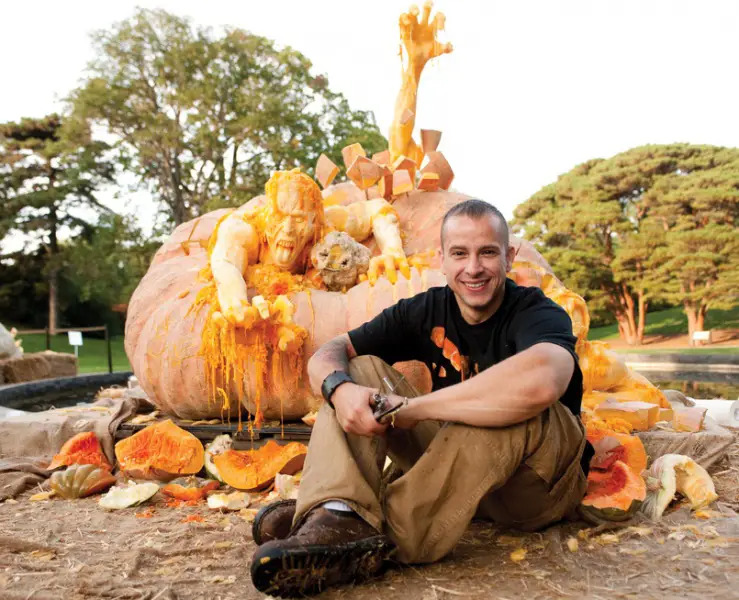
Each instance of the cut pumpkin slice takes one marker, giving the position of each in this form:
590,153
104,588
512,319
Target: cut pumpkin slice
160,451
81,449
613,495
256,469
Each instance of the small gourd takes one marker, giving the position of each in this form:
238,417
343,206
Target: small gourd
131,495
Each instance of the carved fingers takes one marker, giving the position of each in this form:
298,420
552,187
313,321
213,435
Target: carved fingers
389,265
419,35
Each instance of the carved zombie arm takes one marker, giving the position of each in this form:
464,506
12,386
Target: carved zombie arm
374,217
419,40
236,243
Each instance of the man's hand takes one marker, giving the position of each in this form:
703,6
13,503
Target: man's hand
354,411
404,418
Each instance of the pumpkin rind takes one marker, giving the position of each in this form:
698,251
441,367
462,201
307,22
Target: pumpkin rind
613,495
673,473
125,497
610,447
219,445
256,469
79,481
160,451
81,449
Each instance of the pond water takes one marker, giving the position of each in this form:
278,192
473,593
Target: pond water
697,385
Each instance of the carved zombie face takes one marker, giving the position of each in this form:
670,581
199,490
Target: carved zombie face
295,212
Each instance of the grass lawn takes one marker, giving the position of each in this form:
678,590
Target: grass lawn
674,322
93,354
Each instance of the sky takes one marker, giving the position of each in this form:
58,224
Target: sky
532,88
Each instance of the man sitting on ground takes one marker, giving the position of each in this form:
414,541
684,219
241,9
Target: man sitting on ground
499,436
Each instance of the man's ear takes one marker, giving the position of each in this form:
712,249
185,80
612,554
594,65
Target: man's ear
440,255
510,256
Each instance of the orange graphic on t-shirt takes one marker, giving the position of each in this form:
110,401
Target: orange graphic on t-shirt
449,350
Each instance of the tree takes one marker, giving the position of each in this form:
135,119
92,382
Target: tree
203,119
49,172
635,228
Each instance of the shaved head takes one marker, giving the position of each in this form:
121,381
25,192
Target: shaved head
477,209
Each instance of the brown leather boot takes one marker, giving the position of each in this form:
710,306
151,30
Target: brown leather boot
329,548
273,522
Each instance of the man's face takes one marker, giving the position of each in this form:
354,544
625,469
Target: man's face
291,225
475,261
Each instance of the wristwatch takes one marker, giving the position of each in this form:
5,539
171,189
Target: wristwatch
334,380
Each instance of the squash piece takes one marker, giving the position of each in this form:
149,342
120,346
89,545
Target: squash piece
438,164
232,501
429,182
402,183
385,184
382,158
675,473
611,447
81,449
364,172
79,481
403,163
219,445
130,495
602,369
689,419
430,139
350,152
189,488
326,171
160,451
613,495
641,415
256,469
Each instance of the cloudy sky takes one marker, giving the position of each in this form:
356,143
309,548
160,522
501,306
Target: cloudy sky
532,88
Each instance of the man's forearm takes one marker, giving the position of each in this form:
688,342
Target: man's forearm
334,355
512,391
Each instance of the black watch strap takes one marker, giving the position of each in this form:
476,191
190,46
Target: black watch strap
333,381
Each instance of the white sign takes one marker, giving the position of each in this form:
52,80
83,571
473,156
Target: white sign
701,336
75,338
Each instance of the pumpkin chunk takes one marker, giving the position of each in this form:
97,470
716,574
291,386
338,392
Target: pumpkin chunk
160,451
402,183
689,419
350,152
613,495
429,182
326,171
438,164
430,139
79,481
364,172
640,415
256,469
81,449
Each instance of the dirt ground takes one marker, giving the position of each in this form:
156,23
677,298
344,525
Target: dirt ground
73,549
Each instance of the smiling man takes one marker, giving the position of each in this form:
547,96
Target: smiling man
499,436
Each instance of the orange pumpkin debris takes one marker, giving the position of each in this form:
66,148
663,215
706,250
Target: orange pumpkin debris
82,449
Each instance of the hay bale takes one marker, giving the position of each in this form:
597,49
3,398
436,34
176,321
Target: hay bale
38,365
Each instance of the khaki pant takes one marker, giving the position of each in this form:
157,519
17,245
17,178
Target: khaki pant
525,476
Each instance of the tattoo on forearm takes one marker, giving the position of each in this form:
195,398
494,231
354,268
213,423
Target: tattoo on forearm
335,352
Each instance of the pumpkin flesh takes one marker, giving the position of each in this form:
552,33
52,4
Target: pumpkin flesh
613,495
81,449
160,451
256,469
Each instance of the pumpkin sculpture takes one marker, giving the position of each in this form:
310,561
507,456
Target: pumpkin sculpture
227,314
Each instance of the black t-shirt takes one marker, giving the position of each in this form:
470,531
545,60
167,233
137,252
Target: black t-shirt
429,327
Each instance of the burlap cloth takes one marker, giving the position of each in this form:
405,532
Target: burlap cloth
706,447
29,441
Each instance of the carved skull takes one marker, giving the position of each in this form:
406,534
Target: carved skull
340,259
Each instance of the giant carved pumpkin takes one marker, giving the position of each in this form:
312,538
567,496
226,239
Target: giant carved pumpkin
164,329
